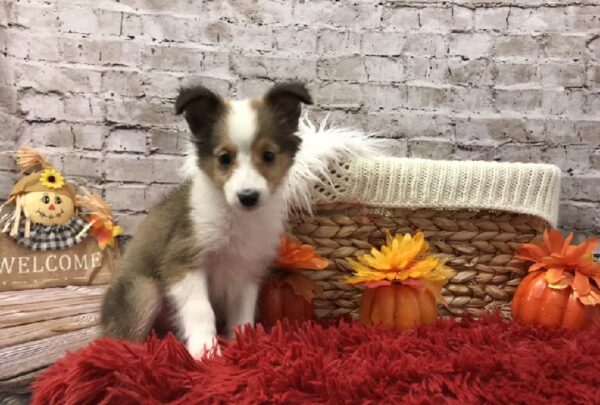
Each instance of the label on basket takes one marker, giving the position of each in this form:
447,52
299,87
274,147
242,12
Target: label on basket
82,264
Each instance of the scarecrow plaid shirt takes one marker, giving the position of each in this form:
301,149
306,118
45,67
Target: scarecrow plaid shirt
52,237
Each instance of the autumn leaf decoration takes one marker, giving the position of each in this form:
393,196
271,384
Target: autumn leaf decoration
100,219
403,259
565,264
294,255
105,232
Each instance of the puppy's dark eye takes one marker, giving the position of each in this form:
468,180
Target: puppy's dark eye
225,159
268,156
46,199
57,200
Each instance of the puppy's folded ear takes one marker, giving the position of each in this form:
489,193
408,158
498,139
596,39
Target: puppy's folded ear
285,100
202,108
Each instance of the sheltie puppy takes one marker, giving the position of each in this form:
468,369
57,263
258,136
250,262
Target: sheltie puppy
203,250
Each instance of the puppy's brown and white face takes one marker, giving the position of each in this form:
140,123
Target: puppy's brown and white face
245,146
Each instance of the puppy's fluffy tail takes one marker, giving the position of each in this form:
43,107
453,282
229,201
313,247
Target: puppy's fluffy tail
321,147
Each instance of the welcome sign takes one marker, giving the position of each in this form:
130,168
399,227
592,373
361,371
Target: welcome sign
82,264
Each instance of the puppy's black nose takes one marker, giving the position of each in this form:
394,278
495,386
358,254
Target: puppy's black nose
248,198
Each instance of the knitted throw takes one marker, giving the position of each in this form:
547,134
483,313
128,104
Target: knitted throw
525,188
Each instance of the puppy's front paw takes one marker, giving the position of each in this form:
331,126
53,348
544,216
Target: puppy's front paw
231,331
198,346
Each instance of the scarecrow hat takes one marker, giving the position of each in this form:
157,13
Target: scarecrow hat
48,179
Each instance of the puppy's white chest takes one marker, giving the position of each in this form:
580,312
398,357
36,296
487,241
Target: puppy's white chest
250,246
241,263
237,246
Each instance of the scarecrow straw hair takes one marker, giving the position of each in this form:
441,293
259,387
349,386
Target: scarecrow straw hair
95,205
28,159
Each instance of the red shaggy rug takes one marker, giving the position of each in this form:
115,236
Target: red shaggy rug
488,361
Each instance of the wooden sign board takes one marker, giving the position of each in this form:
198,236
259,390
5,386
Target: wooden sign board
82,264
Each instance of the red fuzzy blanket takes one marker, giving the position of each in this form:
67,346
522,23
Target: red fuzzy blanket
487,361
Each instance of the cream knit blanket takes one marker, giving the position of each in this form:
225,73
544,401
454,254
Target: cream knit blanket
525,188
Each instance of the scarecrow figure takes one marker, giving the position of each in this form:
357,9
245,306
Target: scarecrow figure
53,237
46,208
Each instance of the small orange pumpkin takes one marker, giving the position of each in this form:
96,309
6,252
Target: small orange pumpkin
398,305
563,285
404,282
536,303
288,294
278,301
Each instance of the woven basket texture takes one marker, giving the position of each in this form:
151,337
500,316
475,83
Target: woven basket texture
479,245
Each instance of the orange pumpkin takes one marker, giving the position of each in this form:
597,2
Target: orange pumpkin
398,305
537,304
278,301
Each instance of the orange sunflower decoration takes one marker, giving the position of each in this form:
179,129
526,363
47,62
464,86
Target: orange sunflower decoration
403,281
288,294
566,265
294,255
403,259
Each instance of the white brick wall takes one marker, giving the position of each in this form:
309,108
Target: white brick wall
92,82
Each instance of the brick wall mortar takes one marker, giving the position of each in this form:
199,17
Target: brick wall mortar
93,82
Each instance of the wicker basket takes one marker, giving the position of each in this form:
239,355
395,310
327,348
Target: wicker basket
479,242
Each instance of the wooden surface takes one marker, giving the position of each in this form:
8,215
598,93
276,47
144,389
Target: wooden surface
37,327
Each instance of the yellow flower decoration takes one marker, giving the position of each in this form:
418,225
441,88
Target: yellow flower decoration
403,259
51,178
